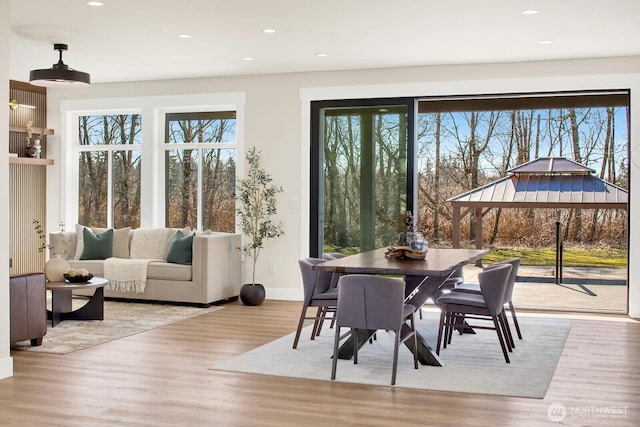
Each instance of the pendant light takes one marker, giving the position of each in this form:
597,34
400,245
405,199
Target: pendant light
60,75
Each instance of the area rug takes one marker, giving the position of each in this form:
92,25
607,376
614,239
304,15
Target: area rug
121,319
472,363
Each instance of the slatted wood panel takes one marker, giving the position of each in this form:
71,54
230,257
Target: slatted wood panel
27,201
161,378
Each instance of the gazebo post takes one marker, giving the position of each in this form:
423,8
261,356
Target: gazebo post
478,212
455,226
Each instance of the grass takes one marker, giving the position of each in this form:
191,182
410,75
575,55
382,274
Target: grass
573,257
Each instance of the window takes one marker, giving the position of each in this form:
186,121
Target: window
464,143
459,144
109,170
359,199
200,169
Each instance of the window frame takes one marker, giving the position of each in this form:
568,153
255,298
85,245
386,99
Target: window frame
151,109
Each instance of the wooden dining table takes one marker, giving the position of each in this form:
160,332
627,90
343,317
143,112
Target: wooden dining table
423,277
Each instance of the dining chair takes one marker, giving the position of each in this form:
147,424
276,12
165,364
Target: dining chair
372,303
474,288
458,307
317,293
450,283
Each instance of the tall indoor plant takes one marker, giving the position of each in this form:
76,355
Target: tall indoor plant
257,200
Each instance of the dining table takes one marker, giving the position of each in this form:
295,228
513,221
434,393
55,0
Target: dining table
424,280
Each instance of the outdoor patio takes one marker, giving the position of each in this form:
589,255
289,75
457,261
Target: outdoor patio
581,289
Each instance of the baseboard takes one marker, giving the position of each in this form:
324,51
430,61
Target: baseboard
6,367
285,294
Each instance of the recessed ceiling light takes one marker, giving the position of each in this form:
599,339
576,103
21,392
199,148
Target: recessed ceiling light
185,36
247,58
95,3
544,42
268,31
322,54
530,12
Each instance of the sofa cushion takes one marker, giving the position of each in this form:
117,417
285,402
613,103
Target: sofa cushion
181,249
148,243
166,271
120,240
97,246
171,233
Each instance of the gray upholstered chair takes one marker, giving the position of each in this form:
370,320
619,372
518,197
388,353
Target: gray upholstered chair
474,288
458,307
373,302
328,256
454,280
317,293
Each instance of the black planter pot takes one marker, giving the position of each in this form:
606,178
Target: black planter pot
252,294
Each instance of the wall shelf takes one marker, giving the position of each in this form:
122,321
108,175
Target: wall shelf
30,161
34,130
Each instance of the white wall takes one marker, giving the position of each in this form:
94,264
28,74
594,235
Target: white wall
6,363
277,119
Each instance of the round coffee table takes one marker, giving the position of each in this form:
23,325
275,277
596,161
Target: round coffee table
61,301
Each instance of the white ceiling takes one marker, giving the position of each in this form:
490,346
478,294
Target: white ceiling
131,40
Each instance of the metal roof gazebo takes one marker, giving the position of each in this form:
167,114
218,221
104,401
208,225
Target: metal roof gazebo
547,182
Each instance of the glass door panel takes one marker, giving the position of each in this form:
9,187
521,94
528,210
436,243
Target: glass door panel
362,185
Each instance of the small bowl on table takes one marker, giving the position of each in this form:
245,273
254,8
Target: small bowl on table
77,279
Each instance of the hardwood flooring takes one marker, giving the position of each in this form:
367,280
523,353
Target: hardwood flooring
161,378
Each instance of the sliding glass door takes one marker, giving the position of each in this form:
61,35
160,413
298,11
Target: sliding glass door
360,158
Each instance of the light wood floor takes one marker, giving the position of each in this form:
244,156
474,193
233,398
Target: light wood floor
160,378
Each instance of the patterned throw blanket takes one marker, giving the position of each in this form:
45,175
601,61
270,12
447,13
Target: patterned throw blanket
130,275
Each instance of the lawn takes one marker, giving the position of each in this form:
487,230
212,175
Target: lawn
572,257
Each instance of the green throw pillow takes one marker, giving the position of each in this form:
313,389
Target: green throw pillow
97,247
181,249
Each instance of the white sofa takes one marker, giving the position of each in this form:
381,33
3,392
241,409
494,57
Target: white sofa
213,276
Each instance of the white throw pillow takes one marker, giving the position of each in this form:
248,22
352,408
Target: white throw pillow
149,243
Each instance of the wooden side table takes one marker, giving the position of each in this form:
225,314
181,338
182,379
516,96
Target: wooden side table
61,308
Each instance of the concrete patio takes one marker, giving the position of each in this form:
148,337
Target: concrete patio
581,289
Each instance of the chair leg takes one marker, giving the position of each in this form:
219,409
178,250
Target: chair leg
501,339
443,316
300,322
354,339
507,330
395,357
515,319
317,323
334,362
415,341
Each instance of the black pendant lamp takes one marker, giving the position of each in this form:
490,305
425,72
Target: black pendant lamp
60,75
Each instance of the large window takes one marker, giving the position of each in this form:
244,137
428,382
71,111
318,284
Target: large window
109,170
200,168
465,143
360,159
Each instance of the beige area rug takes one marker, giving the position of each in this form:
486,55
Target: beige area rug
121,319
473,363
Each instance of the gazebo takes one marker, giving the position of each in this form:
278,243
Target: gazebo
547,182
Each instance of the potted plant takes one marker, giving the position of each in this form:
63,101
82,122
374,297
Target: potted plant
256,195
